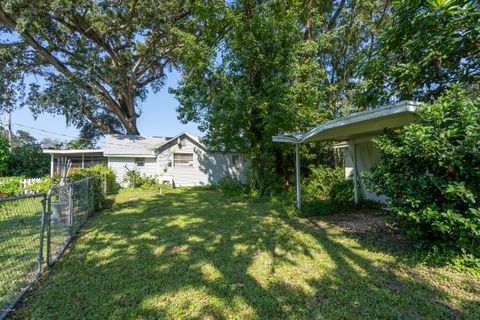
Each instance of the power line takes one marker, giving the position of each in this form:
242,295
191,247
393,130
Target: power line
80,138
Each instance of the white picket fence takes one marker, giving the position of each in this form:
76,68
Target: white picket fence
28,182
25,183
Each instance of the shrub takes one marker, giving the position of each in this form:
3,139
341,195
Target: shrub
28,160
10,186
321,181
231,187
99,172
323,207
142,181
430,170
343,191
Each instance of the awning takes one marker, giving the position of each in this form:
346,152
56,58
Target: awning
74,152
350,128
358,125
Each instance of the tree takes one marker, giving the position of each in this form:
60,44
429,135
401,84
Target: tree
27,157
426,47
4,152
430,172
96,59
260,68
50,143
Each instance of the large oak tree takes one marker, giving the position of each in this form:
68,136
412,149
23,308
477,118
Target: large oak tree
92,61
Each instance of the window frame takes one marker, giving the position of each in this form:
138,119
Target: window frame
139,162
183,164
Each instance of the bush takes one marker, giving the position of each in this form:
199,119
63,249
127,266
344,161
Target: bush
29,160
430,170
231,187
343,191
323,207
321,181
137,180
99,172
10,186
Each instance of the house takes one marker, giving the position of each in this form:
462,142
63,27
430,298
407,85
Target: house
182,160
355,132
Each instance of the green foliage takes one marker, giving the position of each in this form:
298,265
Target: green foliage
28,160
136,180
255,70
324,207
99,172
96,60
144,182
430,170
10,186
426,47
321,181
343,191
231,187
4,153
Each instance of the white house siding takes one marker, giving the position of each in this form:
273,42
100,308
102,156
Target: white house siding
207,167
117,164
367,156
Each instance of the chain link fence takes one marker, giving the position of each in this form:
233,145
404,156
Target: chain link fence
69,207
32,224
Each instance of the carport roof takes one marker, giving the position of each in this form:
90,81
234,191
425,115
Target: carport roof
357,125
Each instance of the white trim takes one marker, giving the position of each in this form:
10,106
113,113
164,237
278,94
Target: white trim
369,115
79,151
401,107
130,156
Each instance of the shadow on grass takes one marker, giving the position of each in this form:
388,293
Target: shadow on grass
190,254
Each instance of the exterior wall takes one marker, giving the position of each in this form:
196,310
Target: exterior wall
367,156
208,167
117,164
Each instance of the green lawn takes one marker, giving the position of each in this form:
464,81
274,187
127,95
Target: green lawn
19,245
195,254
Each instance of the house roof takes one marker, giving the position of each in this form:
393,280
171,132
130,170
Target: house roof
193,137
357,125
131,145
119,145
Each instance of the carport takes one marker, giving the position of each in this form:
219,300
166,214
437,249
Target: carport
355,131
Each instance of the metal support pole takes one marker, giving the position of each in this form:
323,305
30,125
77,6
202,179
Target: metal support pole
70,210
297,171
52,165
83,160
42,229
49,225
355,173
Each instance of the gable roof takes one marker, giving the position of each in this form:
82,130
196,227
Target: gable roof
131,145
192,137
120,145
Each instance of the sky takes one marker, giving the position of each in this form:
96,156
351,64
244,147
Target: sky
158,118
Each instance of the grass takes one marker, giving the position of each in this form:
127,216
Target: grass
195,254
19,245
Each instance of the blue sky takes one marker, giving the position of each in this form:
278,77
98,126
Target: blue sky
159,117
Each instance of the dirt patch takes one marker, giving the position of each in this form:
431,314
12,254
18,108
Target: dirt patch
372,223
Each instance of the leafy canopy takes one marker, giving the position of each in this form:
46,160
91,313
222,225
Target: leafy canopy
91,61
430,170
260,68
425,47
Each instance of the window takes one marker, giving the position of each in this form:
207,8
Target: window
235,160
183,159
140,162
